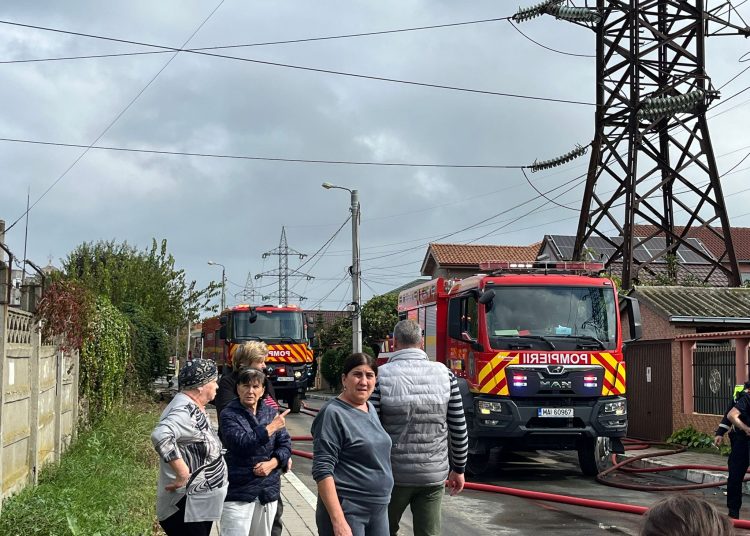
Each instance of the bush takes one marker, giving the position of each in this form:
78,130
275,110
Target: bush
693,439
331,365
150,347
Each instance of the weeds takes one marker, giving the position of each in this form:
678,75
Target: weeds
105,484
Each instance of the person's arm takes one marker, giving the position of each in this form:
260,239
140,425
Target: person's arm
280,456
164,438
458,438
723,427
329,496
375,398
734,417
328,442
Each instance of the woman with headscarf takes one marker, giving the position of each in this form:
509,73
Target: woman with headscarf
192,473
258,446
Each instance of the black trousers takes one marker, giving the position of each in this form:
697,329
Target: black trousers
277,526
739,460
175,524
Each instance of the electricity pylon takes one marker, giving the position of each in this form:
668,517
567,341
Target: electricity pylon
652,152
283,273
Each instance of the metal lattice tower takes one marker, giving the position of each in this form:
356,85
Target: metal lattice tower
283,273
248,294
652,152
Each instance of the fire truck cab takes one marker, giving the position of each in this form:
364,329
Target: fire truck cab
538,351
283,329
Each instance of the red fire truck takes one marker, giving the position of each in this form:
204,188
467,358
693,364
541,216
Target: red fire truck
538,351
283,328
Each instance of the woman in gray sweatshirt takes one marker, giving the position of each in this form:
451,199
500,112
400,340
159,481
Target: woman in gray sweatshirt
351,457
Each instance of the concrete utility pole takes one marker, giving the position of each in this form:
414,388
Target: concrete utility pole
223,283
355,269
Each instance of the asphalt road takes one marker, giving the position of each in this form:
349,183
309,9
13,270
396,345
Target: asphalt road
492,514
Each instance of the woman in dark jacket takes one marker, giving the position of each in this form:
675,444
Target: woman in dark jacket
258,445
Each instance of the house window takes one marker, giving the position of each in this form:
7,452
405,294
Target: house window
713,377
745,277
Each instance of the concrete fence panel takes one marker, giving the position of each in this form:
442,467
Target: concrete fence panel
38,401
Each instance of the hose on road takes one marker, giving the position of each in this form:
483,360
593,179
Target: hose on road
549,497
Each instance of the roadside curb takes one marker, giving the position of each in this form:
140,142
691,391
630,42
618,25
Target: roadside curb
696,476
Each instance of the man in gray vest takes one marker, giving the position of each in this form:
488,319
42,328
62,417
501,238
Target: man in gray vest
420,407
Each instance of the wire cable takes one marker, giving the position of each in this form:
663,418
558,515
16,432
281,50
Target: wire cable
516,28
260,158
117,117
319,70
245,45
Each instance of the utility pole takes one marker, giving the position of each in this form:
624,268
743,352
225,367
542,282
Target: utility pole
283,273
354,269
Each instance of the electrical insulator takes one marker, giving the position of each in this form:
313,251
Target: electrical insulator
574,14
655,107
560,160
534,11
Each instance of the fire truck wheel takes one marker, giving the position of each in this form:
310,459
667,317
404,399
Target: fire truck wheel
295,404
477,464
594,455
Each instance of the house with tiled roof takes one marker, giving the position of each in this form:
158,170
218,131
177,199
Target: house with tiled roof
693,352
691,268
462,260
740,240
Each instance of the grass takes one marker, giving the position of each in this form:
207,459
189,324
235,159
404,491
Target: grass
104,485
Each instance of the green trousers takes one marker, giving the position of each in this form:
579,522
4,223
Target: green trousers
425,502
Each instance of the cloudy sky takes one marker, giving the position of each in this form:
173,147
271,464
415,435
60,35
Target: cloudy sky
232,210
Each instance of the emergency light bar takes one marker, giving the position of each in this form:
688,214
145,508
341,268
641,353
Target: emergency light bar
591,267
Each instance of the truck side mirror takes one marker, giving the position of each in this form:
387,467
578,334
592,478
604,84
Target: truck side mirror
486,299
471,340
632,308
253,315
454,318
223,320
223,332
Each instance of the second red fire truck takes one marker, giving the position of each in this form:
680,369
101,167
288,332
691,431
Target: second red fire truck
283,328
538,350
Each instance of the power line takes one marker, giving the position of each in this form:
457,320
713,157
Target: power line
315,69
260,158
225,47
112,123
516,28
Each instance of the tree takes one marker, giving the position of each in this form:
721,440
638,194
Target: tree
146,278
379,315
335,335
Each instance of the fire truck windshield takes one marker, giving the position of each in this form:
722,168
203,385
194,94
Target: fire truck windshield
286,326
559,318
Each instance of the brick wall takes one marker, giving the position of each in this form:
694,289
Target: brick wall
655,327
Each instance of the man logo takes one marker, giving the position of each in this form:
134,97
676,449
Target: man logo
555,369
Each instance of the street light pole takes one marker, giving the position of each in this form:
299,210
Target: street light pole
223,283
355,268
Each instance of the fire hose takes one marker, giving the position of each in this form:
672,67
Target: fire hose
601,477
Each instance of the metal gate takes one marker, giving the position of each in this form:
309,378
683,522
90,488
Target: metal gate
713,377
649,390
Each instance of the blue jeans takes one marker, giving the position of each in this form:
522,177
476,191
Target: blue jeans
365,519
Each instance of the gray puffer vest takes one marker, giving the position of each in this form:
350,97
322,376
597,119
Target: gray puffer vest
414,395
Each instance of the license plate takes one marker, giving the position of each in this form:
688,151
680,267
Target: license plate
555,412
285,379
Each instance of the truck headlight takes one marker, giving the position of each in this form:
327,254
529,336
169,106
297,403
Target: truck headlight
486,407
298,374
616,408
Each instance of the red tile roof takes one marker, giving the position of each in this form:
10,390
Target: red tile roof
473,254
740,239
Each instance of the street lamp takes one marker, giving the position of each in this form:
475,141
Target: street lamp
354,270
223,283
